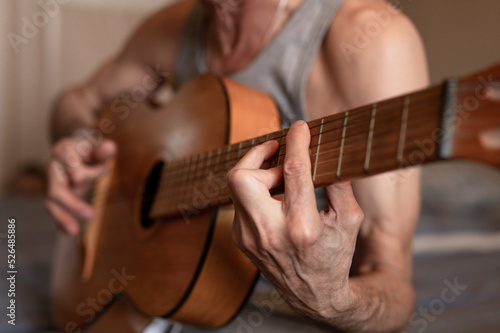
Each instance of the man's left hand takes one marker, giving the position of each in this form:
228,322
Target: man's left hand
306,254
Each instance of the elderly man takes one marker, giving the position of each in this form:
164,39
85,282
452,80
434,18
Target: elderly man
349,265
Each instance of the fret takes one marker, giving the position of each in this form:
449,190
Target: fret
317,150
168,180
164,176
402,131
227,157
239,151
341,151
184,181
198,180
199,167
282,145
217,162
187,191
209,161
370,138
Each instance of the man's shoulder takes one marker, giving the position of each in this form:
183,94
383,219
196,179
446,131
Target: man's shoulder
374,15
362,25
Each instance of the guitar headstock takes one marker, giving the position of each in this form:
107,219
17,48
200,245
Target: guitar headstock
476,125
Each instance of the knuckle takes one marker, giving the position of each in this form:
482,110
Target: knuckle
357,215
294,167
236,178
269,243
303,234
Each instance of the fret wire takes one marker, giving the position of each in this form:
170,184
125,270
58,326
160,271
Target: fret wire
317,150
402,131
389,131
219,152
339,165
185,197
208,172
181,183
333,160
227,156
199,168
370,138
418,134
416,122
239,150
185,177
355,153
197,181
281,145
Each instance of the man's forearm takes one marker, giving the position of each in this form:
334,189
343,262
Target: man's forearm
382,301
74,109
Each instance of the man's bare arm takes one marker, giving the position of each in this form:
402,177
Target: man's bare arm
392,63
80,106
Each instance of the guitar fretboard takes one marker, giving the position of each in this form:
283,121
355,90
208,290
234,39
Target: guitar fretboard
396,133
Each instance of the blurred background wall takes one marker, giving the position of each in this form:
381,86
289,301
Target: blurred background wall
47,46
64,43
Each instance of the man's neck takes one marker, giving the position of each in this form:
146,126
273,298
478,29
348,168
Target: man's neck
238,30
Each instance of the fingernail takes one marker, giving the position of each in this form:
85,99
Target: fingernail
298,123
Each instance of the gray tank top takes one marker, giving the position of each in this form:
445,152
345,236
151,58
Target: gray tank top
281,69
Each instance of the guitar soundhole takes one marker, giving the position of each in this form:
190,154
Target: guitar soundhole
148,195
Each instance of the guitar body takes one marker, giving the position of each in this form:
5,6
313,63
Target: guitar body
126,268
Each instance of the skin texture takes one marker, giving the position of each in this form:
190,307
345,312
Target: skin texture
348,266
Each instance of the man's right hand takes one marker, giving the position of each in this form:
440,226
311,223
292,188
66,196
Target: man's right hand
75,165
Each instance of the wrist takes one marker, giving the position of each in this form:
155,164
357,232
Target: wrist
341,304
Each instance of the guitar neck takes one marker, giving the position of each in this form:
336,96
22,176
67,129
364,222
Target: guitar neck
393,134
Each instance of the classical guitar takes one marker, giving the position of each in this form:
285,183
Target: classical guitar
160,244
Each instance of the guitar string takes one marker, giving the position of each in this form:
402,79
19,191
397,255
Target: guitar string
380,135
247,144
347,157
216,167
348,160
357,111
333,118
422,95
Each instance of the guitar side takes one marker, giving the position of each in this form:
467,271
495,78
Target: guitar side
186,268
